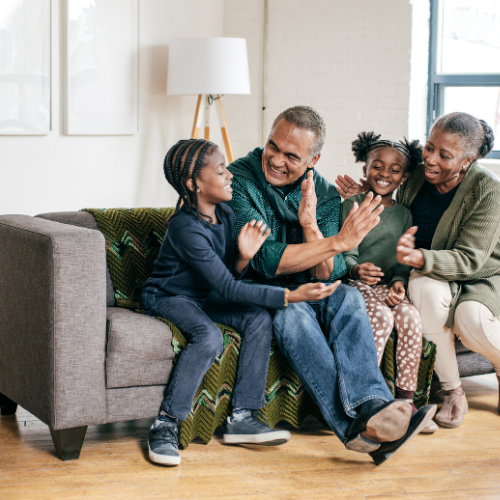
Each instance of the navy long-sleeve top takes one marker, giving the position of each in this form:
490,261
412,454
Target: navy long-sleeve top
197,259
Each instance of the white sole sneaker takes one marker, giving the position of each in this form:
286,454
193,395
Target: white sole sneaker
274,438
163,459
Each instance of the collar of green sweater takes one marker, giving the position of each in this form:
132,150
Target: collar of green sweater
250,168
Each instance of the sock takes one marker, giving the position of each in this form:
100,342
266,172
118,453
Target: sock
165,417
240,413
402,394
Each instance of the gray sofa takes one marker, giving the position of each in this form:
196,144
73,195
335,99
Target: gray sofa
67,354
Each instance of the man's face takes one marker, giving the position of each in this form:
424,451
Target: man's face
287,154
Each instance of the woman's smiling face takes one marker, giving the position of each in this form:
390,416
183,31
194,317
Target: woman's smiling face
445,160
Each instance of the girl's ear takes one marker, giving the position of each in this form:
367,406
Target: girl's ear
403,179
364,171
190,185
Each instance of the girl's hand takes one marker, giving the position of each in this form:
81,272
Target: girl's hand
348,187
396,294
406,252
367,273
312,292
250,239
307,207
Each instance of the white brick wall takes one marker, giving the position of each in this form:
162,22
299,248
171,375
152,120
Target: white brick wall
348,59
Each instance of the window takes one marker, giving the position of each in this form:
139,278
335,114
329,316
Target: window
464,61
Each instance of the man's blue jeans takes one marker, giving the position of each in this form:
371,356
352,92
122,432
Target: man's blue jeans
330,345
197,321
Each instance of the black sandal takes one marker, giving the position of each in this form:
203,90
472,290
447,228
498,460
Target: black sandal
374,420
418,421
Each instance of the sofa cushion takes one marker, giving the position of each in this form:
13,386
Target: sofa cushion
139,350
86,220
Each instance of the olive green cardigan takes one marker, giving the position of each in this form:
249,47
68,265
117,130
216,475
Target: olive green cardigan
465,250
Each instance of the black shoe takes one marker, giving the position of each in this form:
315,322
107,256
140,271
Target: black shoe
163,443
418,421
380,422
250,430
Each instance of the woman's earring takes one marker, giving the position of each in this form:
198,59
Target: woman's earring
463,168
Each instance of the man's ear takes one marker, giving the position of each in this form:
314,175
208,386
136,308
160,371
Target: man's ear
313,161
190,185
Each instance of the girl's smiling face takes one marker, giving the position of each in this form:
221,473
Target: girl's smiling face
445,160
385,171
214,181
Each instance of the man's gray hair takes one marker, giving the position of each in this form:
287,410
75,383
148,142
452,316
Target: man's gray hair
306,118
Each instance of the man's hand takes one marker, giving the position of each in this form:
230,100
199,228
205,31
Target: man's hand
250,239
396,294
406,252
360,221
312,292
307,207
348,187
367,273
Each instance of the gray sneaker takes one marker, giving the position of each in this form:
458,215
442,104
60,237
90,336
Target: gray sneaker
164,444
250,430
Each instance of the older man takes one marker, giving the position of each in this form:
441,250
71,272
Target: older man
329,343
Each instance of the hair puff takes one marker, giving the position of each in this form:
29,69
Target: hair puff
362,145
414,154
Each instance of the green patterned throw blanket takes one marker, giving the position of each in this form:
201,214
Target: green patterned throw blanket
133,239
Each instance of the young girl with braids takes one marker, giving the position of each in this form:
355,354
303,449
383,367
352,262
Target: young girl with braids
373,267
193,285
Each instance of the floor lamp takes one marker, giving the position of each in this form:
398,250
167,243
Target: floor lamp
208,68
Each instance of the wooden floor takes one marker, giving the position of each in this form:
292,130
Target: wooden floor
460,463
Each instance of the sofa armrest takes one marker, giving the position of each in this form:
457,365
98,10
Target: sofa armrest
53,320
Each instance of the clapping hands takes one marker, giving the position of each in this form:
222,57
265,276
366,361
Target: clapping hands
406,253
251,237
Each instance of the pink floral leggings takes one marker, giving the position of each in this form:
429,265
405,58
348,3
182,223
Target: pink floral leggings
408,326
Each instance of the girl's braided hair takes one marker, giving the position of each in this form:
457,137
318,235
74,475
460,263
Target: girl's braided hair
369,141
184,161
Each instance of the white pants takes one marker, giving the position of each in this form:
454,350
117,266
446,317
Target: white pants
474,325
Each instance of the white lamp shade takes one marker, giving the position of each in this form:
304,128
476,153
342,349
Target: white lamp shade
208,66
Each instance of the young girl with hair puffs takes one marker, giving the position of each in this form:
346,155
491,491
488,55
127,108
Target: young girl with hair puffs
193,285
373,267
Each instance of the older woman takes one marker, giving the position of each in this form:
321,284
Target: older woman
455,252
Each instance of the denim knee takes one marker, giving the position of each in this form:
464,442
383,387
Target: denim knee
212,343
258,318
352,297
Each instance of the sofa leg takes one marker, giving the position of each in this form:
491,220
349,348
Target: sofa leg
7,406
68,442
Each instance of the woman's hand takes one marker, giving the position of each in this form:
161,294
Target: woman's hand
250,239
360,221
406,253
312,292
307,207
367,273
348,187
396,294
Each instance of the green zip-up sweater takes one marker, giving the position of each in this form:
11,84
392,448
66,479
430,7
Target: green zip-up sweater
255,198
465,250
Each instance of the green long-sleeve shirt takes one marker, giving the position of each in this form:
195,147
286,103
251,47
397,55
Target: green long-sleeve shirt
465,250
254,198
379,245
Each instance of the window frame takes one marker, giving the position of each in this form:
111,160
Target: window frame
437,82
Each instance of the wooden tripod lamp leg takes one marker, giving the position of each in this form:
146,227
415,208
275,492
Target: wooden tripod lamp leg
207,119
197,119
223,128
